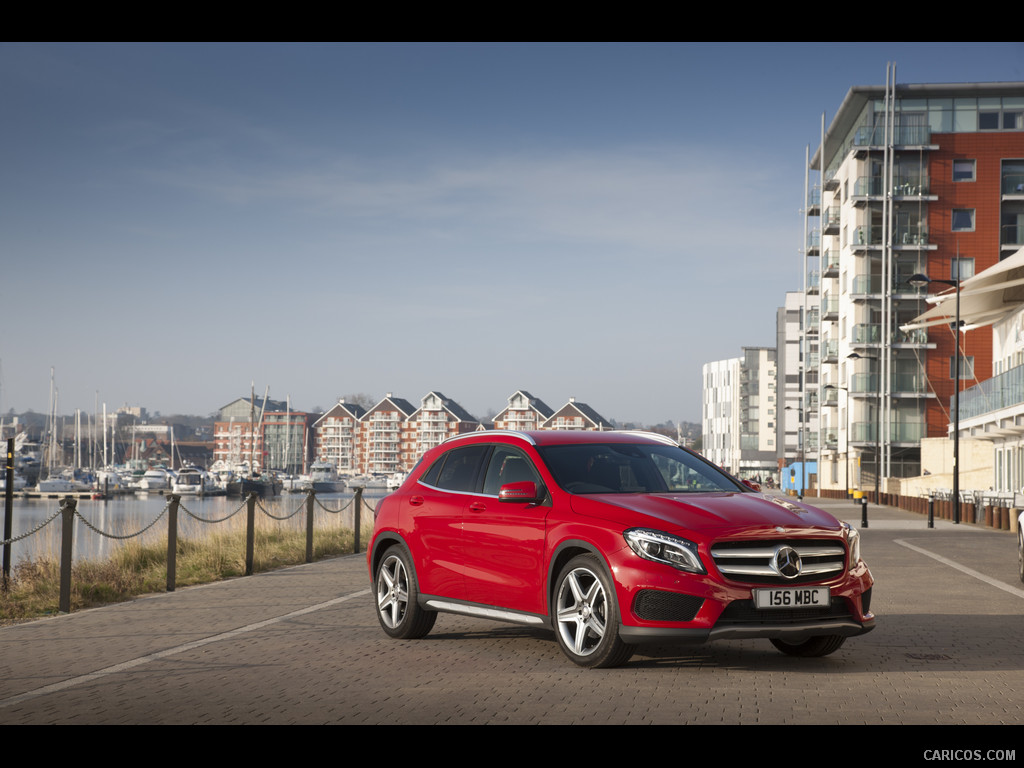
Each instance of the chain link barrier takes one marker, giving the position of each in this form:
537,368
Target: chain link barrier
300,508
108,535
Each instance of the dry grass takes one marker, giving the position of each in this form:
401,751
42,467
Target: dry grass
137,568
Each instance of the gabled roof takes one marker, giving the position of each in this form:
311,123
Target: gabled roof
404,406
449,405
585,411
354,410
535,402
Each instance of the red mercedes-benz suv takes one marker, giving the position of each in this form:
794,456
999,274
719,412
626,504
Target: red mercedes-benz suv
611,539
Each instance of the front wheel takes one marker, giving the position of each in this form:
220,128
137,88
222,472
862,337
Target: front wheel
397,609
822,645
587,615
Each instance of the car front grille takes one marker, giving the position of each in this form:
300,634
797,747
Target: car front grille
775,562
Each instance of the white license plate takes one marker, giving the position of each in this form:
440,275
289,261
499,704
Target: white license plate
792,597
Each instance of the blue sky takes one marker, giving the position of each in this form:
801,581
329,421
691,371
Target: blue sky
579,220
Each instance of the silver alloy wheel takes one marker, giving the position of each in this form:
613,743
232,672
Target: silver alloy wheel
392,591
582,611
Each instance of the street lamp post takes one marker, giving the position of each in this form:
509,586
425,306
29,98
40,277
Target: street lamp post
920,281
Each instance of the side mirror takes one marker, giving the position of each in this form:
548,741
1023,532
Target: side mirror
524,492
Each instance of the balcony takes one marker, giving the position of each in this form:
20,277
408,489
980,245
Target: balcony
995,394
900,384
830,221
865,432
831,261
910,136
1013,185
866,333
830,308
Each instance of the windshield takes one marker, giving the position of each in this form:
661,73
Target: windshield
628,468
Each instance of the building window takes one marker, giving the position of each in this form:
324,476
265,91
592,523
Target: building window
988,120
961,268
966,368
963,220
963,170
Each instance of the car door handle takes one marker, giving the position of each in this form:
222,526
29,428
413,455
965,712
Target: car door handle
415,500
477,506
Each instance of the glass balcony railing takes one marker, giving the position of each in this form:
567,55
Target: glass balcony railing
1013,184
867,431
866,284
900,383
874,135
912,234
1011,234
866,333
1001,391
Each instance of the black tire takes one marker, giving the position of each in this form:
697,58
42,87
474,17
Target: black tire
586,615
822,645
398,611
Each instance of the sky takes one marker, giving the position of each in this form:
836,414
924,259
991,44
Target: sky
181,221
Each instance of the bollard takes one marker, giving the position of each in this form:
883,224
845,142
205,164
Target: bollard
172,540
357,504
931,511
250,532
67,511
864,512
309,526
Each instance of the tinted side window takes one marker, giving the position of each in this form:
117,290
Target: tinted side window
507,465
461,468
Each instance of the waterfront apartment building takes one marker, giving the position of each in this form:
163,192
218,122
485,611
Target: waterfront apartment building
796,425
524,412
910,179
437,419
739,413
335,434
386,437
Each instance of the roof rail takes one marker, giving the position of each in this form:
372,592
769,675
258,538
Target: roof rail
512,432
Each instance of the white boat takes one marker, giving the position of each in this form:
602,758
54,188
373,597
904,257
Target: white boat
155,479
324,477
192,481
62,483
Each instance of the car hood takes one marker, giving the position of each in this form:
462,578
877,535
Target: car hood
703,511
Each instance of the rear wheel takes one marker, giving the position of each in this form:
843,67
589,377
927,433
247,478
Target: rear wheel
397,608
822,645
587,615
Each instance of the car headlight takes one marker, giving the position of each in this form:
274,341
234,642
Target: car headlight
664,548
853,543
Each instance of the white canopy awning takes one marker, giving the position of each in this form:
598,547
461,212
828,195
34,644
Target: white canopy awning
986,298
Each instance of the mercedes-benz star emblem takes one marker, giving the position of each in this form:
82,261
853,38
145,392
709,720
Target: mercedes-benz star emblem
786,562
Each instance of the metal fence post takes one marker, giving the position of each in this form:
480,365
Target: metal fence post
67,510
250,532
172,540
357,504
309,526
